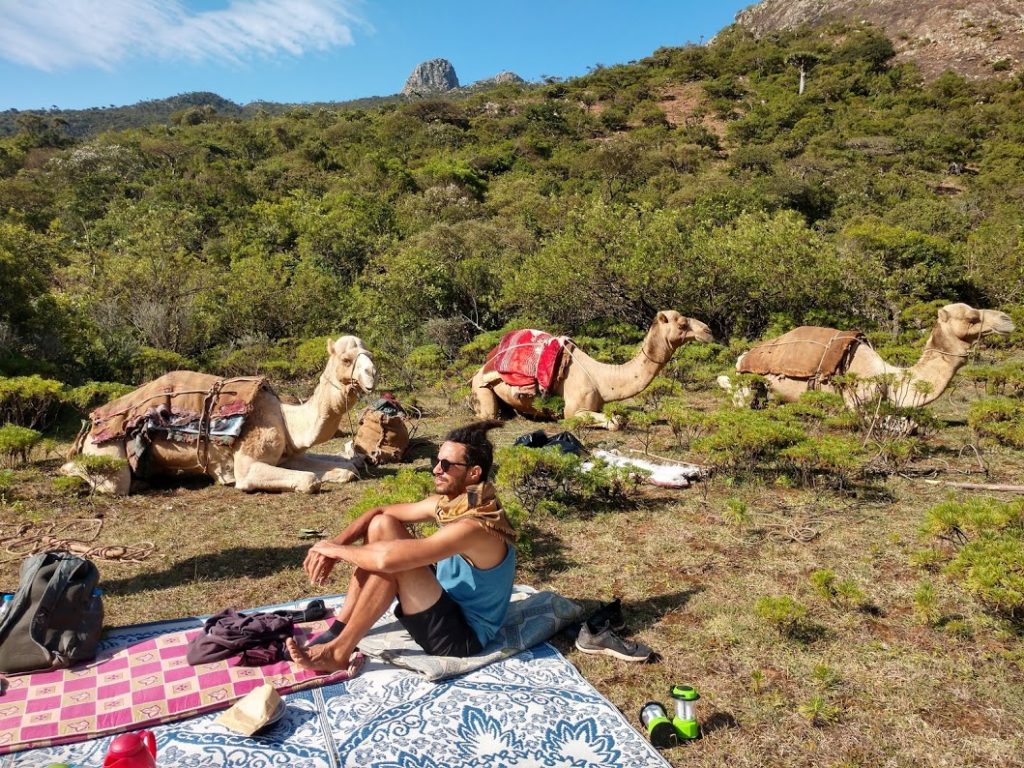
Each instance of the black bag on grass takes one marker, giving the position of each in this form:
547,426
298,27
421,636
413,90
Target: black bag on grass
56,616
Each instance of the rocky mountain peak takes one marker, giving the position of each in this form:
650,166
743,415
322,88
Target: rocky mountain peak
434,76
974,38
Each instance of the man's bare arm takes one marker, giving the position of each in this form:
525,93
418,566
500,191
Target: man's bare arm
404,554
319,565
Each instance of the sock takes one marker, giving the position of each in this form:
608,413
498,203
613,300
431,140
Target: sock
329,634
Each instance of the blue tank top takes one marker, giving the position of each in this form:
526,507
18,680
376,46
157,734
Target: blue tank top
482,595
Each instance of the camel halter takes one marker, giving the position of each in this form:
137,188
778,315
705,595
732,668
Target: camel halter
671,351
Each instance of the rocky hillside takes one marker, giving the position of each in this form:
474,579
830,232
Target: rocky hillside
975,38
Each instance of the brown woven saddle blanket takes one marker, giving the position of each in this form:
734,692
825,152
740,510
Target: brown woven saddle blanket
176,398
807,352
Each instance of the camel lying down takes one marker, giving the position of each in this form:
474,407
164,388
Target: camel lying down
269,453
587,384
957,328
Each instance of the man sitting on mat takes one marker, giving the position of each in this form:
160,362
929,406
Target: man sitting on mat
453,587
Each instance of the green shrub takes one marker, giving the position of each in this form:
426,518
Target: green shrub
992,568
69,485
736,512
427,359
93,394
926,603
687,424
815,405
310,356
742,439
837,459
972,517
6,483
989,537
151,363
406,486
659,389
16,444
30,401
1000,419
784,614
546,480
1003,379
819,712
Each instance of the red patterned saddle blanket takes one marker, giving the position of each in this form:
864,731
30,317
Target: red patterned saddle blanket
527,358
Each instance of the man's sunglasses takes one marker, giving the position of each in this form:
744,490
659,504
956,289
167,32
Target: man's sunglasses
446,465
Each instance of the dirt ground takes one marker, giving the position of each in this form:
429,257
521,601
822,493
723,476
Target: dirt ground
871,683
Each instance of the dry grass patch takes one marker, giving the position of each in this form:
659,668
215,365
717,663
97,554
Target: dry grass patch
875,684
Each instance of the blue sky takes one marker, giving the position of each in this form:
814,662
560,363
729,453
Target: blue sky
85,53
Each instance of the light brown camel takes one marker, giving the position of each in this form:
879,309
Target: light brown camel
589,384
270,452
957,328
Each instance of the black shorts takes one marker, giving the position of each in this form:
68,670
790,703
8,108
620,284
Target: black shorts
442,629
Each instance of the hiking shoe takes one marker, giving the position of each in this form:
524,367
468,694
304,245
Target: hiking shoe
610,614
608,643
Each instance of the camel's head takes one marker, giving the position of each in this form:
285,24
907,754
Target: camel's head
351,362
677,329
969,324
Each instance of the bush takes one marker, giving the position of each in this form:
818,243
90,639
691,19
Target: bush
837,459
1000,419
743,439
6,483
783,614
687,424
93,394
16,444
546,480
993,569
310,356
151,363
30,401
406,486
989,537
70,485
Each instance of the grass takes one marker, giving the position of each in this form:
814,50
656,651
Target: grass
917,681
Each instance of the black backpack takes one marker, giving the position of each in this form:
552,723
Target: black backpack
56,616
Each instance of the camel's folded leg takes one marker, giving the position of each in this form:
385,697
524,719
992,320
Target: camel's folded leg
485,402
117,484
612,424
328,469
259,476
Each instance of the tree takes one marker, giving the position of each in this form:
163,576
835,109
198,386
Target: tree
805,60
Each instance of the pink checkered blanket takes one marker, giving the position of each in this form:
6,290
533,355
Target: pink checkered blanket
134,684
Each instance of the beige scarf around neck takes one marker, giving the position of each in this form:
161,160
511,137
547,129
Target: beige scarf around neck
479,503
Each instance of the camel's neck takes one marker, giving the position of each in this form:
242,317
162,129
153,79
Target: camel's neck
943,356
618,382
316,420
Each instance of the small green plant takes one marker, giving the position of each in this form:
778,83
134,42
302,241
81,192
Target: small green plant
30,401
70,485
644,424
825,677
757,681
16,444
6,483
736,512
784,614
408,485
687,424
93,394
819,712
657,391
992,568
824,582
926,603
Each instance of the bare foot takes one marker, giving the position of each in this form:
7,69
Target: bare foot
320,658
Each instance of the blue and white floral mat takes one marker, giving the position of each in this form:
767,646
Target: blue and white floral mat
531,709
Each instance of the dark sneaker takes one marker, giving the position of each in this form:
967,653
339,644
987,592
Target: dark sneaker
610,614
608,643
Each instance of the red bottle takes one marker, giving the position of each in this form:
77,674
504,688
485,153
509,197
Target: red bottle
132,750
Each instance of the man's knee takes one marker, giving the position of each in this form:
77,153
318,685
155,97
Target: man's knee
384,527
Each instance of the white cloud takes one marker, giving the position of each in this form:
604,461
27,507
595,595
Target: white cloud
54,35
